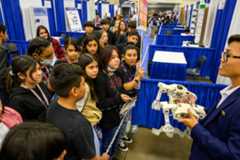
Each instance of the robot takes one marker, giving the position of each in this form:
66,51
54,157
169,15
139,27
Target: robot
180,102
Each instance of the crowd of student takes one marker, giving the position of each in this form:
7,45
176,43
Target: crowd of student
65,102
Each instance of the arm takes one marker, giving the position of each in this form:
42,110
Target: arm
217,148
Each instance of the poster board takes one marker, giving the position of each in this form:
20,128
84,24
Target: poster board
73,22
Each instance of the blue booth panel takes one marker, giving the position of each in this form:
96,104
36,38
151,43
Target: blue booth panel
192,55
173,40
171,71
22,46
144,115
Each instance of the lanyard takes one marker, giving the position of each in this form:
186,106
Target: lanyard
44,101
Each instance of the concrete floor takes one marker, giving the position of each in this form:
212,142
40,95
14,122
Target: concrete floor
147,146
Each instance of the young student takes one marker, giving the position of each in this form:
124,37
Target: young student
88,108
88,28
42,31
3,63
34,141
91,45
133,37
133,73
30,96
105,24
42,51
8,119
102,39
121,36
72,52
108,86
69,85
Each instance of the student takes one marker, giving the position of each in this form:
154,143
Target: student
3,63
121,36
91,46
42,51
69,84
33,141
30,96
134,38
72,53
133,73
105,24
8,119
102,38
42,31
108,87
90,71
88,28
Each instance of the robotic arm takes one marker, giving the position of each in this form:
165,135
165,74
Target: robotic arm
180,102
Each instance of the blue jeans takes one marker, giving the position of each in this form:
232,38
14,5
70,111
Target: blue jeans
107,135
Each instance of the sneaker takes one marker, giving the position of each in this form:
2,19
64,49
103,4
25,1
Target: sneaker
123,147
128,140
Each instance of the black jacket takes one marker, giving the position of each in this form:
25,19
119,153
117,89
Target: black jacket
24,101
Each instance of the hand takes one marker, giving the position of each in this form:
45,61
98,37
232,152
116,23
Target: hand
125,98
139,72
105,156
190,120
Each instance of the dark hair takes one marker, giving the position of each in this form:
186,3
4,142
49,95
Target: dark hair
37,45
70,41
106,54
85,60
64,77
135,33
89,24
2,28
234,38
132,24
122,21
42,27
33,141
21,64
105,21
131,46
88,39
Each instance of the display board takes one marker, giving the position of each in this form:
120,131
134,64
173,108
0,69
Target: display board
73,22
201,24
105,10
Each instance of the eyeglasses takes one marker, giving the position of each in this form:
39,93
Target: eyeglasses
227,55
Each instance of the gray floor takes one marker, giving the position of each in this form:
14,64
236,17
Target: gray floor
147,146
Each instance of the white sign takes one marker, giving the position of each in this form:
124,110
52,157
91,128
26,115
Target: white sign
221,4
169,57
73,20
47,4
69,4
105,10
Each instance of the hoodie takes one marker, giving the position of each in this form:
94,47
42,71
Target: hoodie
27,104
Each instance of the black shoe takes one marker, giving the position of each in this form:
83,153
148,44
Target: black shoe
123,147
128,140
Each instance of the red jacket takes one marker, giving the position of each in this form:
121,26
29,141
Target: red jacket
57,48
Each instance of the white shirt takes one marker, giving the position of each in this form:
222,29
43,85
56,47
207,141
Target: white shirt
226,92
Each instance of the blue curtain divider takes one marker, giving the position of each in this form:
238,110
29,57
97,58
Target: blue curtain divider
111,10
222,25
59,14
173,40
13,17
191,54
22,45
52,25
84,12
144,115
